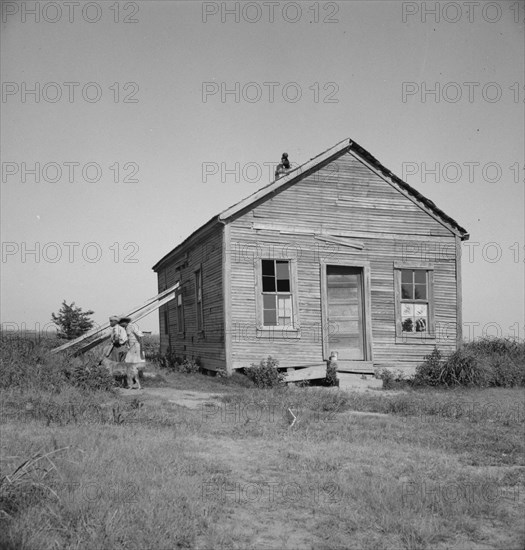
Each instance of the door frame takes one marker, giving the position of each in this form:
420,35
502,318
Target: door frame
367,318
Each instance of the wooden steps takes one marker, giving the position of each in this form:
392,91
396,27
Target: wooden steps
305,373
366,367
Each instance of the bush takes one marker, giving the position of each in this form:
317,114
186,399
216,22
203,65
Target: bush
189,366
483,363
508,372
170,360
460,369
504,357
88,376
430,372
266,373
393,378
151,343
387,376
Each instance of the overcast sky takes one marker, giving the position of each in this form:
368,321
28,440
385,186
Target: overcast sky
132,106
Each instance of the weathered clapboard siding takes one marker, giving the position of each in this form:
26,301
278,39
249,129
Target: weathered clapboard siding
308,348
206,345
375,205
343,207
344,196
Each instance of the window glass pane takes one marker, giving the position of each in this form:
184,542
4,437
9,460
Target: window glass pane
407,310
406,276
283,276
407,292
269,302
420,310
282,270
420,292
268,267
270,317
407,324
420,276
269,312
284,309
284,305
283,285
198,285
421,324
268,284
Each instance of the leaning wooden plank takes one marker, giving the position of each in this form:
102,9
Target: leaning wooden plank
151,308
308,373
135,317
132,313
92,344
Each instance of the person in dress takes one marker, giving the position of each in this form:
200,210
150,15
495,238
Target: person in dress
119,340
135,337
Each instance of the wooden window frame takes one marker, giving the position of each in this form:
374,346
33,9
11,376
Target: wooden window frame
367,308
181,322
199,307
277,331
428,337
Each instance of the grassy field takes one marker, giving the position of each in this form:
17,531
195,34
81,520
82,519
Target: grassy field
384,469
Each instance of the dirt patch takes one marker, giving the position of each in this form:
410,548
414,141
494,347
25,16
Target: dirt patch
184,398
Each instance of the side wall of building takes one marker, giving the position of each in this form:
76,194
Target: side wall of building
188,341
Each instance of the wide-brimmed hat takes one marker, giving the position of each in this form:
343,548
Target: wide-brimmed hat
114,318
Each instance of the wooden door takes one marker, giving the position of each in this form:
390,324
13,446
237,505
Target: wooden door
344,294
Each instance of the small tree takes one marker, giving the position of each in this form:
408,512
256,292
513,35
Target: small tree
71,321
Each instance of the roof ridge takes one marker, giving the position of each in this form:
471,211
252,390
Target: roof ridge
337,150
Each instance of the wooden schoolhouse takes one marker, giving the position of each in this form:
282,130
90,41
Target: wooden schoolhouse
337,258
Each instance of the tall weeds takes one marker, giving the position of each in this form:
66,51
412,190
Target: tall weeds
482,363
27,364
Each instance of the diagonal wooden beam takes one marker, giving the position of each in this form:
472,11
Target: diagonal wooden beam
90,345
150,309
135,314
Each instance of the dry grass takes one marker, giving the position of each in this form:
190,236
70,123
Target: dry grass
235,475
418,469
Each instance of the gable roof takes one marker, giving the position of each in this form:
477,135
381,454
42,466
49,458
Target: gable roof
298,173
